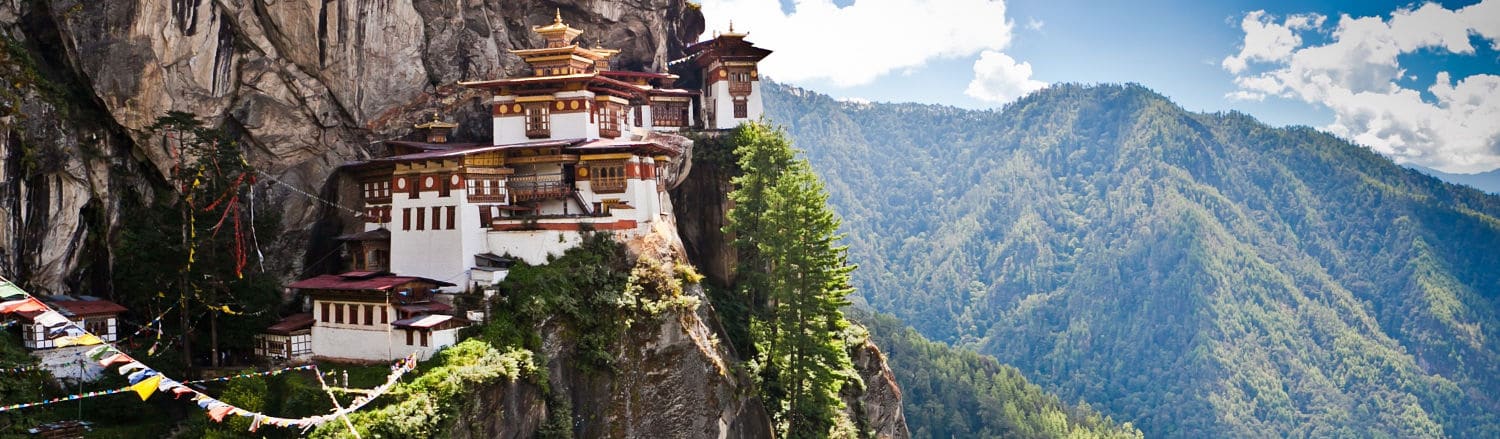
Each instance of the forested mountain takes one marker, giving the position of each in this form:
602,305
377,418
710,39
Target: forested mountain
956,393
1199,275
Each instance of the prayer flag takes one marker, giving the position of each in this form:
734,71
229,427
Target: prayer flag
217,413
9,291
146,387
50,318
114,359
78,340
29,304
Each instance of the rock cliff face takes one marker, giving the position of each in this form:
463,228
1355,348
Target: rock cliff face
307,84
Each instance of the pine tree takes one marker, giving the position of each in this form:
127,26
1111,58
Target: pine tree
794,277
808,280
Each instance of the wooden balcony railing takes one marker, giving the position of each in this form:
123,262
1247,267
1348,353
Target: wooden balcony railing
739,87
538,187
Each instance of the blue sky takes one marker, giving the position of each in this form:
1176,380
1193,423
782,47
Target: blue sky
1362,70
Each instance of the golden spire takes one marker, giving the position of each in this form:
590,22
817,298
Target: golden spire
557,34
732,33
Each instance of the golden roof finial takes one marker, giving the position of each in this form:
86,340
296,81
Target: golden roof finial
731,26
558,18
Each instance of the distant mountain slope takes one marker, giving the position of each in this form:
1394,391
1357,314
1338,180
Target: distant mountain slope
1199,275
956,393
1484,181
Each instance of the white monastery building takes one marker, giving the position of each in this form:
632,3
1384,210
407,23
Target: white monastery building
577,147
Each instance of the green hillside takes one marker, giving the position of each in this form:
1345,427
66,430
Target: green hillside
1199,275
953,393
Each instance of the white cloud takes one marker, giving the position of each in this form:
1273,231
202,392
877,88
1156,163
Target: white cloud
1355,74
1241,95
998,78
858,43
1267,41
1035,24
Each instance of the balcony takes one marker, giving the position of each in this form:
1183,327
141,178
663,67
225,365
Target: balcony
538,188
737,87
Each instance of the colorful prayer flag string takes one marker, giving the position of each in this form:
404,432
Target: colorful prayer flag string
145,381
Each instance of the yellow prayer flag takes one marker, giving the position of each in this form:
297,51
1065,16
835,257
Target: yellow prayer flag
81,340
146,387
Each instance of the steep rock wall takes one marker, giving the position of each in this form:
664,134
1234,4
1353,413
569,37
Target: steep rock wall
307,84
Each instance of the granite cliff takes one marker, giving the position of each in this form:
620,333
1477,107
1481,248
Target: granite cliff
305,86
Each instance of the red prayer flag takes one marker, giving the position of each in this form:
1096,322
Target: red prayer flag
218,413
114,359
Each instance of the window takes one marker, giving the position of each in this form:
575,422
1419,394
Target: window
608,177
437,218
538,124
383,315
301,344
408,337
324,315
609,122
421,219
424,337
452,213
443,188
406,218
669,114
414,186
369,315
741,109
338,313
739,82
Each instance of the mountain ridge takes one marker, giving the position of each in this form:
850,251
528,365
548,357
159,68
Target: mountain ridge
1197,274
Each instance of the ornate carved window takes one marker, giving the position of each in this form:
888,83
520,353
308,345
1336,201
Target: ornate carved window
607,177
609,120
741,109
538,121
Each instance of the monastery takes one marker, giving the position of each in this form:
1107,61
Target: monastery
578,147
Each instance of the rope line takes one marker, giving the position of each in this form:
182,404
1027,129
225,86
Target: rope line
357,214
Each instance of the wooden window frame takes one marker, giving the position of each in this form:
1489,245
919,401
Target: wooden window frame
538,120
741,108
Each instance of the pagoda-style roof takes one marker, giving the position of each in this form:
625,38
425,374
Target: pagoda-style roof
435,123
557,31
573,145
729,46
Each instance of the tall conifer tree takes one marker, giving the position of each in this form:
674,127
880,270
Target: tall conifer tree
795,277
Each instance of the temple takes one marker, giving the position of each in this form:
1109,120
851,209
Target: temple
578,146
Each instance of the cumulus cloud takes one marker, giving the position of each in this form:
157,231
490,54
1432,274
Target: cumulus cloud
999,78
1355,74
856,44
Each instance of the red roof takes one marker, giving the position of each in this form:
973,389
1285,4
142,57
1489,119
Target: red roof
78,308
293,323
360,281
